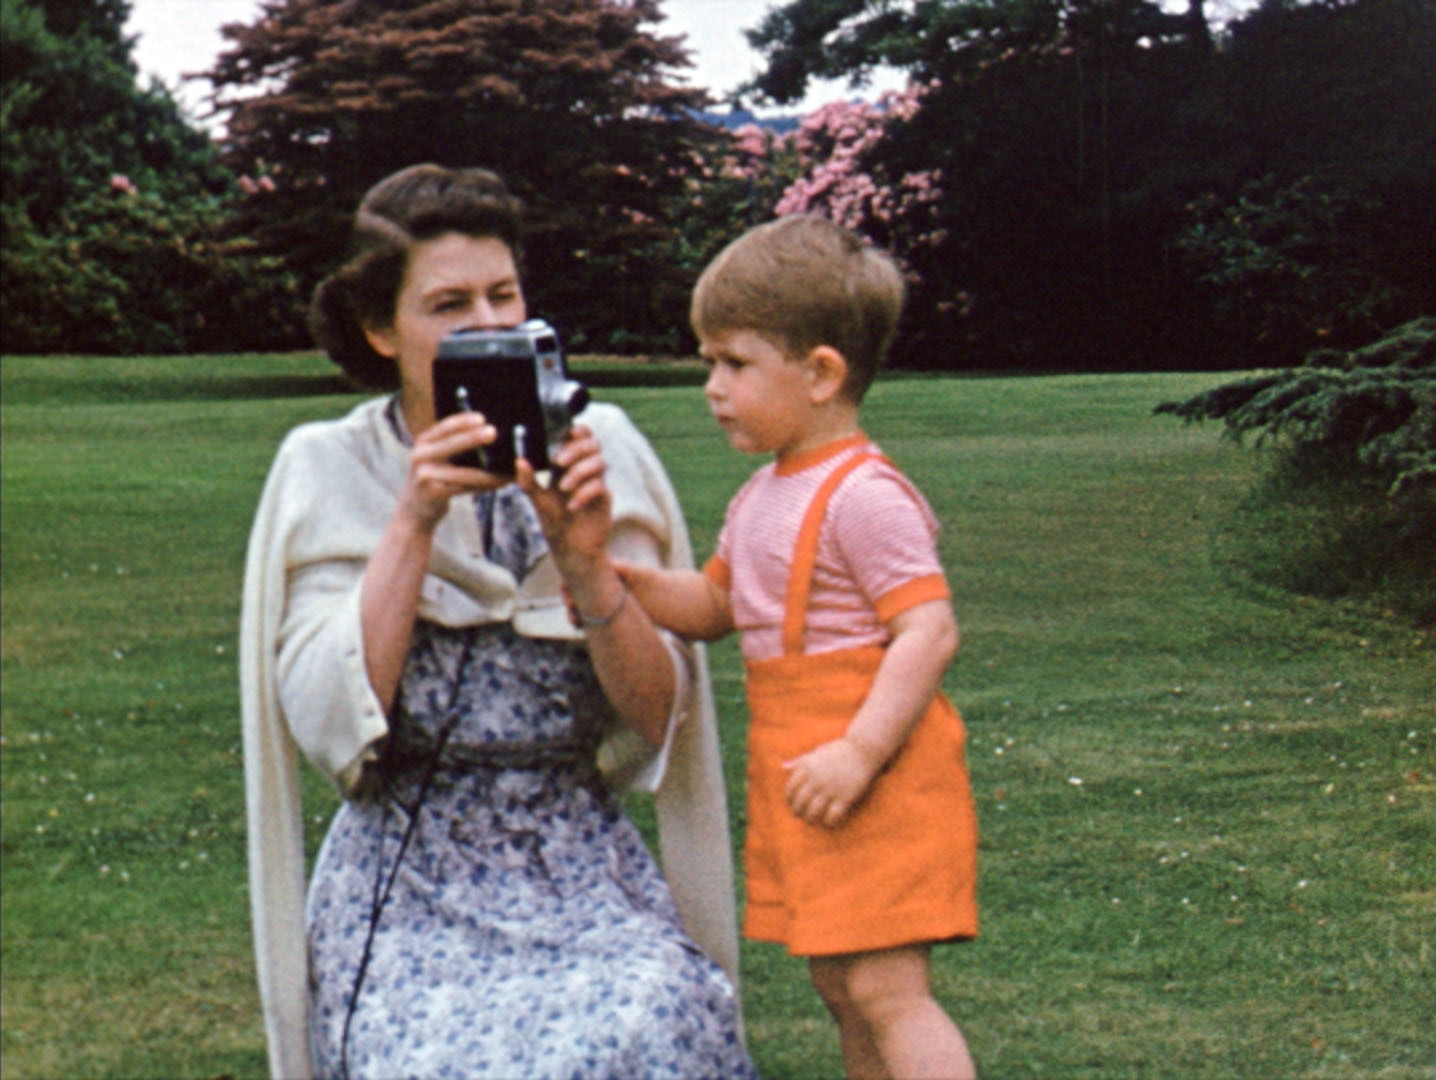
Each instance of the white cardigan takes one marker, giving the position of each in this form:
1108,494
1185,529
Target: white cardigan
329,495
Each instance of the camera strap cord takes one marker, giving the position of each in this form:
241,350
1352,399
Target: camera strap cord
380,899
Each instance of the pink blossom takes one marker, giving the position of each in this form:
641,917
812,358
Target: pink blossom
750,139
120,182
248,186
832,141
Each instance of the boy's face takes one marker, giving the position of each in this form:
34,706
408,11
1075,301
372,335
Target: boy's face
759,395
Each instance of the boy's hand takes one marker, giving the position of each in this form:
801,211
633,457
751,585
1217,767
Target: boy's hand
828,781
638,576
683,601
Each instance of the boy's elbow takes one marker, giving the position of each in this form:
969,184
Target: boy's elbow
955,632
941,631
949,640
929,628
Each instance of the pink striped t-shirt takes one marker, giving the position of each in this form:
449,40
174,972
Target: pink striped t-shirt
877,552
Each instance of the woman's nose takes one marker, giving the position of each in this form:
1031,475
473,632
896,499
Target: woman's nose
485,316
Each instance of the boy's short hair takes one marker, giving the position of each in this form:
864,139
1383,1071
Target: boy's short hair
803,281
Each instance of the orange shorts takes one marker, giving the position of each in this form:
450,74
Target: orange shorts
902,868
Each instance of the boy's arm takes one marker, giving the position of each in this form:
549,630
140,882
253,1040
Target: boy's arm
684,601
827,782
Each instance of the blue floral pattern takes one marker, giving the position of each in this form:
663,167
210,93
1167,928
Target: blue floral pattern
528,933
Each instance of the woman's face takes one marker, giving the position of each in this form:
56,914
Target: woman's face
451,282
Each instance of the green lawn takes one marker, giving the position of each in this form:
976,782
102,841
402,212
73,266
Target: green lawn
1208,812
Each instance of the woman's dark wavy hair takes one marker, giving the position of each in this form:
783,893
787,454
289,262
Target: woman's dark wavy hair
412,205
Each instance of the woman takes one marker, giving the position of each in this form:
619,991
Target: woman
479,906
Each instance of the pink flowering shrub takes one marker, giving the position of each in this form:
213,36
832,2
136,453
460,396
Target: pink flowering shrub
130,270
839,163
844,178
732,183
250,187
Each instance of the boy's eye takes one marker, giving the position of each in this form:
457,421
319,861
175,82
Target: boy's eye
732,363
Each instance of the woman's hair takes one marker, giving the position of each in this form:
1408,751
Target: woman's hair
412,205
801,282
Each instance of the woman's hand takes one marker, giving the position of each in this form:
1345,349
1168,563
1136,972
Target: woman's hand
389,593
575,510
433,480
633,666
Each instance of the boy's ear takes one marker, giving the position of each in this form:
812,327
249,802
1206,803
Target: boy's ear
381,340
829,371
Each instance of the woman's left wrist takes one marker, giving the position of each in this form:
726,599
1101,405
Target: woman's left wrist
593,586
586,621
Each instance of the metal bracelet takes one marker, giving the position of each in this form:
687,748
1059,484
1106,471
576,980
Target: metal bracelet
591,621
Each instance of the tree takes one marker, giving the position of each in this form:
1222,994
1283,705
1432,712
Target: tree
109,199
734,181
1325,223
836,39
1097,159
73,114
570,100
1349,506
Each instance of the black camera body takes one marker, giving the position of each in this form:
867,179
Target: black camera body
518,378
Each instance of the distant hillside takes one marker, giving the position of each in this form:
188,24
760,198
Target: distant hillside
736,118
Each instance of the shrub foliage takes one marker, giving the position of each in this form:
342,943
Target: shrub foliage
1351,503
1111,184
112,208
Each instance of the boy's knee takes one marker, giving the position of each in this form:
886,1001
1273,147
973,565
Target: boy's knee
876,986
830,980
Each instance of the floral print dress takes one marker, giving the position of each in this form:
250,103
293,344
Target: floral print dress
527,932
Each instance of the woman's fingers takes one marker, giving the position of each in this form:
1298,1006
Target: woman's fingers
436,448
433,477
583,481
453,435
575,507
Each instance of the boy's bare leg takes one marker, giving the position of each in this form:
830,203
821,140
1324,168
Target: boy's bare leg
860,1056
885,999
861,1059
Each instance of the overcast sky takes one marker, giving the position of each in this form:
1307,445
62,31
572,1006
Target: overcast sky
179,36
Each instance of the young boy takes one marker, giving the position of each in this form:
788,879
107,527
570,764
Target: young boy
861,846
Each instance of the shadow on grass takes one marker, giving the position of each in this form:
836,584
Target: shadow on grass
38,383
604,375
43,389
56,381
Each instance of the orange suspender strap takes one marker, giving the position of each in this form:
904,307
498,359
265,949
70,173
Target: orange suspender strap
805,553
